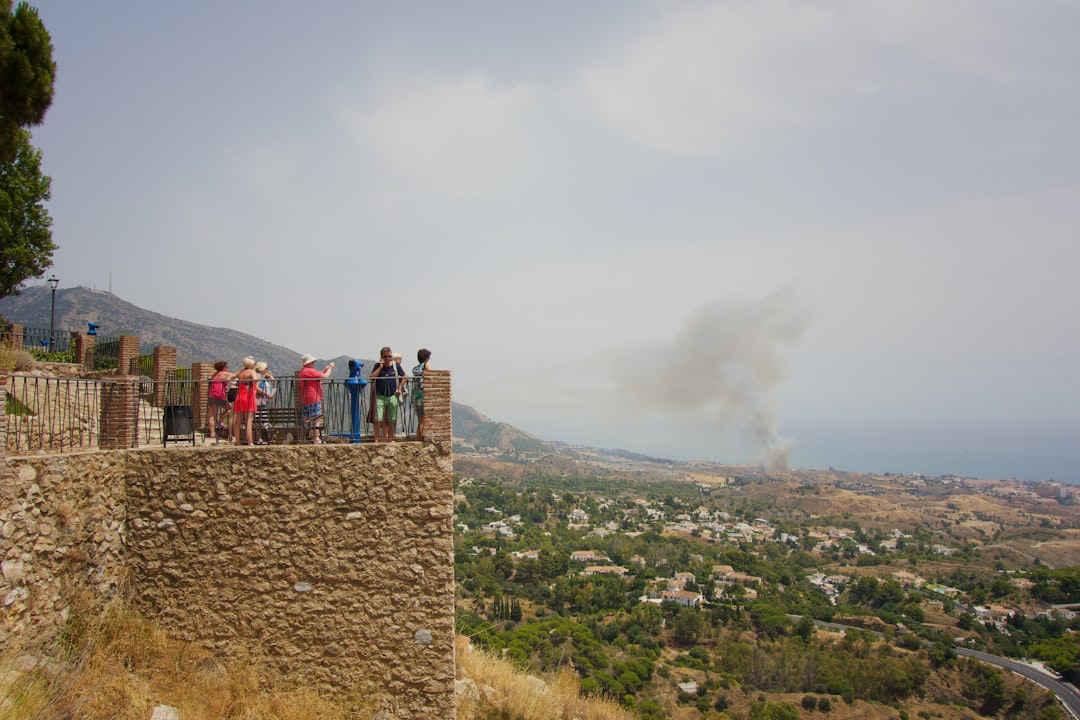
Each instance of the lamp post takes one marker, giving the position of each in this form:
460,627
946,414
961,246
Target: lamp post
53,282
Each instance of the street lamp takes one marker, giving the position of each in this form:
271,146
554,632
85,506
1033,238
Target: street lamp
53,282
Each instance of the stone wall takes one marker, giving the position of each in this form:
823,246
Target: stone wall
61,532
332,563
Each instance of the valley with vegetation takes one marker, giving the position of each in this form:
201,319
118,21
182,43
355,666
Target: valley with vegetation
696,590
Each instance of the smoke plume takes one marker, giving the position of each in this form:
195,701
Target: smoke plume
722,367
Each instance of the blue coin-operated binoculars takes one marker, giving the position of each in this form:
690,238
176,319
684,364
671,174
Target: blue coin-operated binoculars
355,383
91,328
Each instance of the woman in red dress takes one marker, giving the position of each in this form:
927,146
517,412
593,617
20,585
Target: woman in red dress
244,407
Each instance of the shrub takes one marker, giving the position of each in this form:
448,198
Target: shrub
702,704
809,702
651,711
18,360
24,361
824,704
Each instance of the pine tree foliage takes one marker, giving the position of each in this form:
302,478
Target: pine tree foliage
27,74
26,245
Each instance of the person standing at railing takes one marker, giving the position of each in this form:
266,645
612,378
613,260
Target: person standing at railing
311,394
422,357
217,404
264,392
244,407
389,379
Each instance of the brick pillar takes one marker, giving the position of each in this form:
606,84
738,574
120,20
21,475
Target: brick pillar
3,416
84,348
127,352
200,393
120,413
16,335
164,365
438,418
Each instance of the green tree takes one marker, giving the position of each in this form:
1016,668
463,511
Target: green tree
687,626
26,245
805,629
27,74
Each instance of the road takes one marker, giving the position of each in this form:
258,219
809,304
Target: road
1067,694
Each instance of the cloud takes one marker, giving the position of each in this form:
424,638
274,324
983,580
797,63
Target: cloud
713,79
460,136
722,366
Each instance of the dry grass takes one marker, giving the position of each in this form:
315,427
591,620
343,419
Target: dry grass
506,694
118,666
15,359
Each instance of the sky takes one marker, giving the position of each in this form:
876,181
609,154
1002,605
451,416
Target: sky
808,234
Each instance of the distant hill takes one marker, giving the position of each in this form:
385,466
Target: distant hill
75,307
476,431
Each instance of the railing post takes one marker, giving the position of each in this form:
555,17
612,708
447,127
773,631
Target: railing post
84,348
164,363
200,392
120,413
3,418
126,351
438,417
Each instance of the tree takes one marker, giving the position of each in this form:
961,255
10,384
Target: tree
27,74
26,245
687,626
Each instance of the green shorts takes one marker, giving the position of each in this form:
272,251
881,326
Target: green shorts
386,408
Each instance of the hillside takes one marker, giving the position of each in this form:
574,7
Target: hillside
75,307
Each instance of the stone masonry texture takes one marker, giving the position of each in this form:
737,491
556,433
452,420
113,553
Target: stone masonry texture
332,563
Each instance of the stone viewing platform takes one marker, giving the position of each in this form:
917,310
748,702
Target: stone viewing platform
331,563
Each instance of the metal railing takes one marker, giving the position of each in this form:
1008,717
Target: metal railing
104,355
38,339
56,415
48,414
142,365
346,408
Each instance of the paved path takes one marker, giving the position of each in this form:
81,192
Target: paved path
1066,692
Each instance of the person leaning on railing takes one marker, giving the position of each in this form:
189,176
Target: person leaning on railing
217,404
264,392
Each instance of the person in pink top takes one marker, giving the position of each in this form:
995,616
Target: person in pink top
311,394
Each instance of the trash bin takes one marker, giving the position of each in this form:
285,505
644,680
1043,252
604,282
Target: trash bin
177,424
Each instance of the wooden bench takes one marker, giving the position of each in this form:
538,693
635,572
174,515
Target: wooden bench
284,425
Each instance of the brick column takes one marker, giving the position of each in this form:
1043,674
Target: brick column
200,393
164,365
120,413
438,418
128,351
3,416
84,346
16,335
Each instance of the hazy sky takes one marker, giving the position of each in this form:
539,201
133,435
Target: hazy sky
844,232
